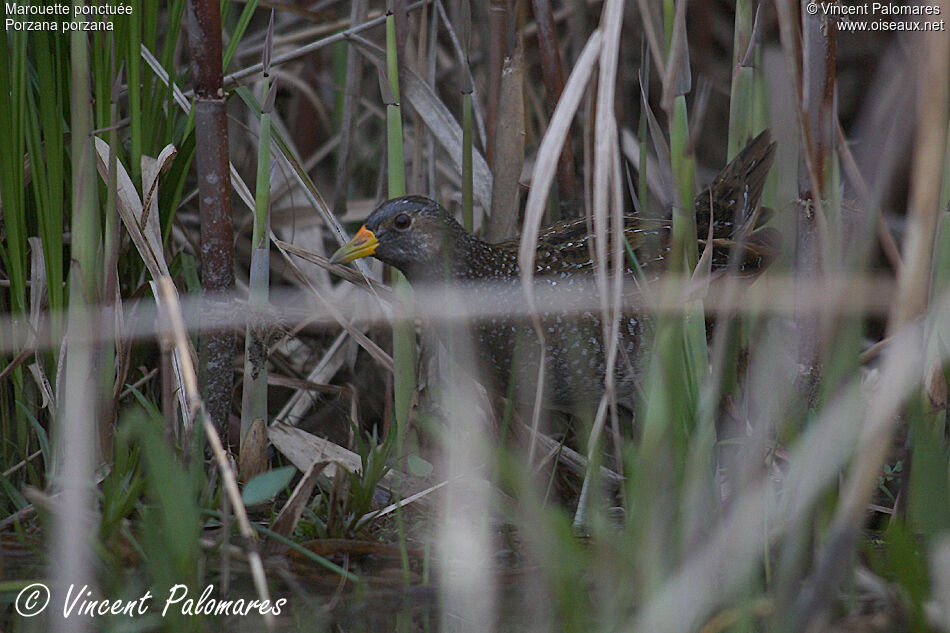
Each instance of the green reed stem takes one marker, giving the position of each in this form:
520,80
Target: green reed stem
254,395
684,253
404,346
404,335
742,88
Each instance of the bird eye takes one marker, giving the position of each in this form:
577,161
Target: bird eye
402,221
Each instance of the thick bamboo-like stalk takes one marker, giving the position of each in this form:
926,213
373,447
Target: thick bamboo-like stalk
498,21
216,345
509,151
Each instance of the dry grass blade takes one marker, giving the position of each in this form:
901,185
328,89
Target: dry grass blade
607,210
305,449
181,387
402,503
344,272
38,296
21,357
252,459
299,403
151,169
607,213
48,398
567,457
37,286
653,29
374,350
287,518
544,169
144,230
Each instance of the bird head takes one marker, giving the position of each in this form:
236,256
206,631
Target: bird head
410,233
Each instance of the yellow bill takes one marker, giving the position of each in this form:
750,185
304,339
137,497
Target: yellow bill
363,244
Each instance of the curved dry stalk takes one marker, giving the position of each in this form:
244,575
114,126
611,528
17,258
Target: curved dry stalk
189,379
541,180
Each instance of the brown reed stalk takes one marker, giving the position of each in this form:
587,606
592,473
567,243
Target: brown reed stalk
553,86
216,345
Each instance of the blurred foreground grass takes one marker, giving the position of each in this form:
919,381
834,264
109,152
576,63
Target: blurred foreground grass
787,473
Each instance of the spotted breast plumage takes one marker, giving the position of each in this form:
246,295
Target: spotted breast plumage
418,237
